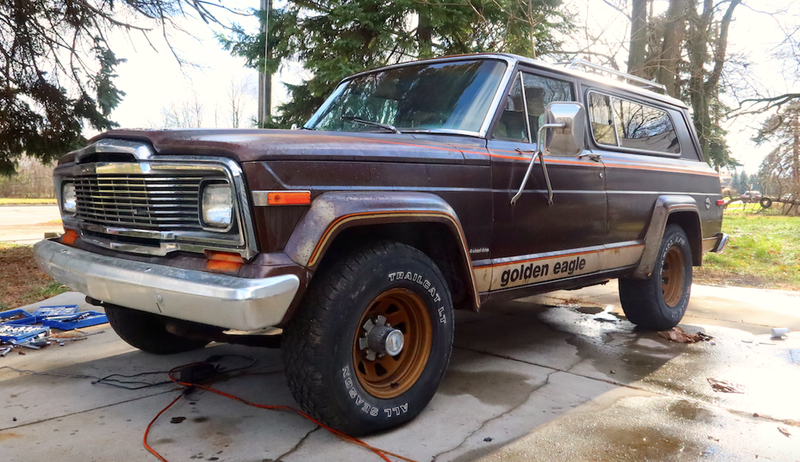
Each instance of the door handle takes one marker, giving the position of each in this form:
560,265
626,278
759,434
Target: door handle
591,155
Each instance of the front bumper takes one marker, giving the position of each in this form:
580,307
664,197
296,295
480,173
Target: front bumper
215,299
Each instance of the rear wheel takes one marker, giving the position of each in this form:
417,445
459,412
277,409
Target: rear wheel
659,302
370,343
148,332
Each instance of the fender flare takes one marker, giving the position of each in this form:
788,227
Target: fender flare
664,207
333,212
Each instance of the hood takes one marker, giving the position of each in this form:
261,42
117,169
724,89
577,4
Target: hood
251,145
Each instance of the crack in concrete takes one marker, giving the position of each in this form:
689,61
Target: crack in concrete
498,416
298,445
86,410
628,386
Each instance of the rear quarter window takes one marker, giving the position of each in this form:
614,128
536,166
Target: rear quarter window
627,124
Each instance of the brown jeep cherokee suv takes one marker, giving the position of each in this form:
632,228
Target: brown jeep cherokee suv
414,190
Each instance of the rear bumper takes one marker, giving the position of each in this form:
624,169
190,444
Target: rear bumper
720,243
215,299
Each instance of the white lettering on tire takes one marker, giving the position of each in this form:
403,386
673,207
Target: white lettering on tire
367,408
426,285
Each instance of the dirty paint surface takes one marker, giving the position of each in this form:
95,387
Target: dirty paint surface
561,377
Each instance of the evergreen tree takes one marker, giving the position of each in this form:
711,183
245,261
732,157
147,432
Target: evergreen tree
735,183
57,70
334,39
755,184
744,182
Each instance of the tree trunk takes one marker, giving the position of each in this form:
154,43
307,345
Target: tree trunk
424,33
703,86
697,48
638,44
671,48
796,156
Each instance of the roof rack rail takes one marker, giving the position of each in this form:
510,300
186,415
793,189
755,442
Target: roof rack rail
632,78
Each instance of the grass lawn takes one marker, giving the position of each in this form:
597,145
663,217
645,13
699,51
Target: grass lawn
21,281
764,252
17,201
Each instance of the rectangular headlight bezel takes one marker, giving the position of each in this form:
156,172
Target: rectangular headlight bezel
69,198
219,224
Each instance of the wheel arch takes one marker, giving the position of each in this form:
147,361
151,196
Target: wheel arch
669,209
339,220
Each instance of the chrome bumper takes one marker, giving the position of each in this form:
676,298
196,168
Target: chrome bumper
215,299
722,241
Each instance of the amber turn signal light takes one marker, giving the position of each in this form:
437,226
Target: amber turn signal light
289,198
69,237
223,261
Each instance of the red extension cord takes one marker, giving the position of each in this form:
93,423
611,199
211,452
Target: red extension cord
379,452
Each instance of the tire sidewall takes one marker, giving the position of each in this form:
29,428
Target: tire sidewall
363,410
673,237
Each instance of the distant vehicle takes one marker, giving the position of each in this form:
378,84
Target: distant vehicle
787,197
751,196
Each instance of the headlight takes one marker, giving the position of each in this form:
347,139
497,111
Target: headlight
217,205
69,201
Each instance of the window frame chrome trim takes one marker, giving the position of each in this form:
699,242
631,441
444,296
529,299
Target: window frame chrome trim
511,65
618,146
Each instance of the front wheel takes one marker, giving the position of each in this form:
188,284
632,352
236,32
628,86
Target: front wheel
148,332
372,339
660,301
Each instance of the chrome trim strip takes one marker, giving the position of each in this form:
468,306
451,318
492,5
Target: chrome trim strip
498,97
137,149
216,299
558,253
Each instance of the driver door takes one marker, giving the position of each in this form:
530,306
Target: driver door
533,240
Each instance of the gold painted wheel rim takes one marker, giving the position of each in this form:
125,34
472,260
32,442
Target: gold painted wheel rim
672,276
387,376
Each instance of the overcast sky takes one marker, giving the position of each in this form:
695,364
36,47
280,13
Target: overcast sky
153,80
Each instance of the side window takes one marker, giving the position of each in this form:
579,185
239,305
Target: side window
511,126
602,119
529,99
644,127
623,123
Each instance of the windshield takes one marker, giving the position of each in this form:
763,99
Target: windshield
441,96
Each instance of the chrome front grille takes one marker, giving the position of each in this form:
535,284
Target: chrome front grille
144,201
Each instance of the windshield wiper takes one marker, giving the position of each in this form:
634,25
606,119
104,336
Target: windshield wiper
359,120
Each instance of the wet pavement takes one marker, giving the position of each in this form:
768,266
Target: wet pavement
560,377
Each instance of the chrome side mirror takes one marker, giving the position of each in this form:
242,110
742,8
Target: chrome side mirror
562,135
567,138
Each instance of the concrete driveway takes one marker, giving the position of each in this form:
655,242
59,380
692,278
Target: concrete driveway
560,377
26,224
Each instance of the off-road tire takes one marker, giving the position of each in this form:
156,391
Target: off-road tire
765,202
660,301
320,343
148,332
